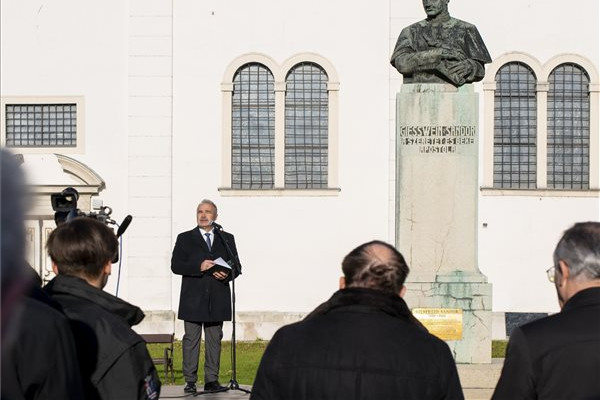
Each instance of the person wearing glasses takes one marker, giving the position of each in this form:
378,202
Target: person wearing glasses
558,357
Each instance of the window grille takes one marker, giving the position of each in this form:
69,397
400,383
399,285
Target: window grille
568,128
306,127
515,127
41,125
253,128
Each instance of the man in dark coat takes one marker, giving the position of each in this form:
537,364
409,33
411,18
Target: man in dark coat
363,343
440,49
113,359
205,299
558,357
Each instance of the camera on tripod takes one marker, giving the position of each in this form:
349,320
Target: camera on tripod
65,209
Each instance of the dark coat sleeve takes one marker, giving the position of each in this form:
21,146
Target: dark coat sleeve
237,266
517,378
265,386
449,375
187,256
133,376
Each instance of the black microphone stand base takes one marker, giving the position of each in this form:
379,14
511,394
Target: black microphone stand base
224,389
233,385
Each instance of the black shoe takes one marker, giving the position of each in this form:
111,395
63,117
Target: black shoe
190,387
213,386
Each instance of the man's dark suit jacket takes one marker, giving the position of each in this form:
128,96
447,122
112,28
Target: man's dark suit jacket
557,357
203,298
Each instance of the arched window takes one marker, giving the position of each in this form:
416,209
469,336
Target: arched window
253,128
568,128
280,126
515,127
306,127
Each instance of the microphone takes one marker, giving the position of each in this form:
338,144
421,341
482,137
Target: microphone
124,225
216,226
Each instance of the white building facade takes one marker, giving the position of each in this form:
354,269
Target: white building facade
282,113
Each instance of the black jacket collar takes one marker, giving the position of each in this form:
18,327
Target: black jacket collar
583,298
376,300
79,288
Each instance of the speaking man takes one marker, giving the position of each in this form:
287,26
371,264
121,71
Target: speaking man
558,357
363,343
205,299
113,359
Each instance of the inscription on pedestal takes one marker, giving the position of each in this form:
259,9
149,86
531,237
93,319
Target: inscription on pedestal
437,139
445,323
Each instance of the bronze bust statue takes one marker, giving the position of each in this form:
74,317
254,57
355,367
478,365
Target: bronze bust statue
440,49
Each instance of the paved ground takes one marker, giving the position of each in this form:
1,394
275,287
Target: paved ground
176,392
478,382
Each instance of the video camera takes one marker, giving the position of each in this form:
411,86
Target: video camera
65,209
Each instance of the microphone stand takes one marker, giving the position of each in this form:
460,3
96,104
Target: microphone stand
237,269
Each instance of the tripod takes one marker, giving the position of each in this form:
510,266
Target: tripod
236,269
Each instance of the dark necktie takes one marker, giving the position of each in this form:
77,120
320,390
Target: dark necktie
208,241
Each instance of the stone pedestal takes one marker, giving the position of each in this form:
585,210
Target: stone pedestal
436,208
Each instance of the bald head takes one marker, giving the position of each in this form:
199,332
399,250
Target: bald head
375,265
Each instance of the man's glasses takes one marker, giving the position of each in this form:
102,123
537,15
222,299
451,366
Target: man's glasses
551,272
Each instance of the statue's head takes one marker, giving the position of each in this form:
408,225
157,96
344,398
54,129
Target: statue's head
435,7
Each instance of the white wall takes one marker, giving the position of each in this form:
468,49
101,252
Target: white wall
75,48
290,247
515,249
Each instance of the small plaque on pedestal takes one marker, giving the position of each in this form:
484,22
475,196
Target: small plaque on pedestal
445,323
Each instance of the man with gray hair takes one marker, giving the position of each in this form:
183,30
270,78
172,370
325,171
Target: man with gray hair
558,357
205,300
363,343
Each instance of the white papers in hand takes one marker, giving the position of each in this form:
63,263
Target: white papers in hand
222,263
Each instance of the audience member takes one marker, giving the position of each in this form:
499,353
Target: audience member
558,357
113,359
363,343
38,357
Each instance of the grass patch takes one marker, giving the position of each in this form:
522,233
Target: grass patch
499,348
248,356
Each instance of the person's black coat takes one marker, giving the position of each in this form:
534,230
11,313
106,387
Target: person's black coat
113,359
557,357
361,344
39,360
203,298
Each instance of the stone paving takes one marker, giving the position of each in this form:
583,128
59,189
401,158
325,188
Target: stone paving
478,382
176,392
